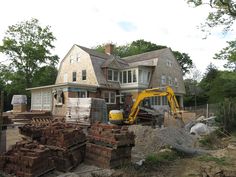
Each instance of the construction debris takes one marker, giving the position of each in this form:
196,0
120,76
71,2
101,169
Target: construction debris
149,140
109,146
27,159
86,111
66,141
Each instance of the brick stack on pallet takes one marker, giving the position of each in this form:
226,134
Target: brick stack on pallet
109,146
27,159
66,141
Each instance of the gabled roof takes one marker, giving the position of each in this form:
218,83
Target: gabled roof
115,63
147,55
95,53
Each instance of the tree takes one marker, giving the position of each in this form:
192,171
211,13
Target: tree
229,54
142,46
184,60
44,76
223,13
28,46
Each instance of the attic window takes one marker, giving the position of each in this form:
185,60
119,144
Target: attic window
74,77
84,75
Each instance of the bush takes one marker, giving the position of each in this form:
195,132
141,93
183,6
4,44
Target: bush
161,157
226,115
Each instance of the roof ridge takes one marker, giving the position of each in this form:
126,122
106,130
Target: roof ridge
95,52
145,53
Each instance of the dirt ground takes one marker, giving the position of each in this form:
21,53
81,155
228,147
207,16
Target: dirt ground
220,163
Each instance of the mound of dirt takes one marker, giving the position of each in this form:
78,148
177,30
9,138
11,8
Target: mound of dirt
149,140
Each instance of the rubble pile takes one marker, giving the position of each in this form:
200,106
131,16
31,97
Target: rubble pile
66,141
149,140
109,146
27,159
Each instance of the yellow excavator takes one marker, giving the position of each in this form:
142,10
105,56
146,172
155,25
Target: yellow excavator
118,116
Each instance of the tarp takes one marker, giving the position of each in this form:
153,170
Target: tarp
19,99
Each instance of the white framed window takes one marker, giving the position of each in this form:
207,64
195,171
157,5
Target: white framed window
109,74
110,97
140,76
134,76
129,76
115,75
120,73
163,79
124,77
112,75
164,100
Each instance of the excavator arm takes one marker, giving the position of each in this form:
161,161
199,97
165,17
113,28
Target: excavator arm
148,93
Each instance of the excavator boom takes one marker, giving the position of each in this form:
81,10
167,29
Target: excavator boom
148,93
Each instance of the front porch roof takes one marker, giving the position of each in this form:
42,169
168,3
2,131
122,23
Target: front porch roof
68,84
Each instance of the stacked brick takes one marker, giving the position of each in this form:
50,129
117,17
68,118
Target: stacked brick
27,159
109,146
66,142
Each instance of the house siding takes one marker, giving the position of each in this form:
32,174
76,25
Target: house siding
83,63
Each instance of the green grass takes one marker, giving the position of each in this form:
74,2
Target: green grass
219,161
161,157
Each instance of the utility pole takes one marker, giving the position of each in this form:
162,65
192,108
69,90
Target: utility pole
1,117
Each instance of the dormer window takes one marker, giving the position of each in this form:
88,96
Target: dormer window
112,75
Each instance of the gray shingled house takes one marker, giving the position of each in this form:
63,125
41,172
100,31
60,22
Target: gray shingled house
87,73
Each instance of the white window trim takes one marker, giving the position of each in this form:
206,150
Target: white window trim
113,75
127,76
109,97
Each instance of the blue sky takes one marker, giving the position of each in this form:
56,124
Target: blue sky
91,22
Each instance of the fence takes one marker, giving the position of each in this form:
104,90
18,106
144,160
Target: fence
206,110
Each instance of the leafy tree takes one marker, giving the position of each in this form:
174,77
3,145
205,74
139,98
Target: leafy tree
223,13
28,46
229,54
44,76
184,60
142,46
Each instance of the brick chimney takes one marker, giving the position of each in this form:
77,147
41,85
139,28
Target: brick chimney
109,49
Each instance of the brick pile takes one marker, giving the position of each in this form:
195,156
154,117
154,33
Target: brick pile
109,146
66,141
27,159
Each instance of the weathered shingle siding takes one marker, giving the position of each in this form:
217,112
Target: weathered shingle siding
173,71
84,63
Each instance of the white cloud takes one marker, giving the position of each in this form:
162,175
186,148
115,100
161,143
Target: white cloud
92,22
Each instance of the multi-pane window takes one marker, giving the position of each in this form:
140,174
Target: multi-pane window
84,75
134,76
112,75
109,74
116,73
110,97
124,77
129,76
73,76
120,77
